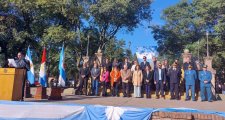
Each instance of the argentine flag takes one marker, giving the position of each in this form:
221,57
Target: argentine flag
30,73
42,73
62,73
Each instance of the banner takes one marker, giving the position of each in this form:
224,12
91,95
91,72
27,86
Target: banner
11,110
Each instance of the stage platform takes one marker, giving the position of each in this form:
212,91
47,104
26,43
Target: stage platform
66,110
81,107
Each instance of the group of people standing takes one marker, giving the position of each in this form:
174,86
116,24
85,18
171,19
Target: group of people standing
144,77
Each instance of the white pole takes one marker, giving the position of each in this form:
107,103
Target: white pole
207,37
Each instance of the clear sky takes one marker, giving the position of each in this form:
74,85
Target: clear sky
142,36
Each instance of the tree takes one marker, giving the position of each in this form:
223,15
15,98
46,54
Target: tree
187,23
109,16
80,25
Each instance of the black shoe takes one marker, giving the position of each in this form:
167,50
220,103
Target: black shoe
210,101
157,97
187,99
202,100
177,99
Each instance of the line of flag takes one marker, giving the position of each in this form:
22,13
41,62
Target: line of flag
42,72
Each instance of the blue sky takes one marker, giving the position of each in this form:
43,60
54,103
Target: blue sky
142,36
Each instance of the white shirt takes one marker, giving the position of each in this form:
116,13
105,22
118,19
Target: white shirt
160,72
133,68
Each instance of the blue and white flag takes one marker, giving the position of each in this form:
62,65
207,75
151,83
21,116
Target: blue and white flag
30,73
62,73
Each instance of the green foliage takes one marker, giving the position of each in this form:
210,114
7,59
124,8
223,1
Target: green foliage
51,23
187,23
109,16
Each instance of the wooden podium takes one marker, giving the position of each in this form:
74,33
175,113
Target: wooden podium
11,83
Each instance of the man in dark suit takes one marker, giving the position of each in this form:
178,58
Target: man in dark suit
153,63
107,64
159,80
83,79
174,75
127,63
166,67
22,63
144,63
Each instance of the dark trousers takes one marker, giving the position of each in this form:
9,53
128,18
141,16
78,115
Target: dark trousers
159,87
167,84
115,89
105,86
83,83
24,84
126,89
174,88
148,90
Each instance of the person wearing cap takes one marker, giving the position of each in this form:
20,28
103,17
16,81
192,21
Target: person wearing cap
190,77
144,63
205,78
115,77
159,80
175,76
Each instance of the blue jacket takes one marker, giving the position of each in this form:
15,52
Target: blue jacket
95,72
205,75
190,76
156,75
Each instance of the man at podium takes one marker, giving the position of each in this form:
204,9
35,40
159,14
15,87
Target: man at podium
21,63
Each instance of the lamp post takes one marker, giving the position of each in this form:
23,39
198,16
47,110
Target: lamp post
207,38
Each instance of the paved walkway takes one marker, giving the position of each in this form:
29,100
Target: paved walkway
139,102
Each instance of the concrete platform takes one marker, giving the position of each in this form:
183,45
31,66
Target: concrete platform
68,97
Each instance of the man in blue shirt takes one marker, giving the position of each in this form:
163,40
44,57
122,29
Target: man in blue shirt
205,78
190,77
